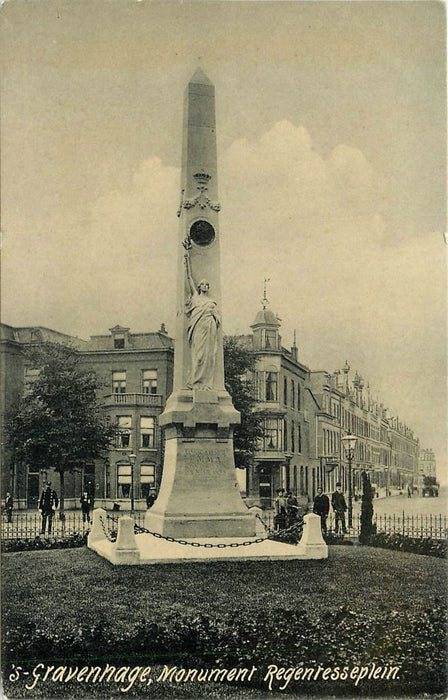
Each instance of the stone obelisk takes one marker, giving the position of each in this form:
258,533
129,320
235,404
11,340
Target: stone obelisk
199,496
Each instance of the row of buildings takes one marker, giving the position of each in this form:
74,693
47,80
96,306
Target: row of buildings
306,413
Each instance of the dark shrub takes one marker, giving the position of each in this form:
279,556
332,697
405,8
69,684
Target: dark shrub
403,543
414,641
40,543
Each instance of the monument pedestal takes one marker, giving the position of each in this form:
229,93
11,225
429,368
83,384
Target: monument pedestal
199,495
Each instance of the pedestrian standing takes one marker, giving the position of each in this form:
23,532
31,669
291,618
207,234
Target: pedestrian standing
150,498
86,506
48,503
339,506
280,510
321,507
292,508
9,505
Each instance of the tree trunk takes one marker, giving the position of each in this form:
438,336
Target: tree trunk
62,493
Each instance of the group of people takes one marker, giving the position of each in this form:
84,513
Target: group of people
287,509
321,507
49,502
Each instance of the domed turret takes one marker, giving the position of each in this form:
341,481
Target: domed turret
265,327
266,317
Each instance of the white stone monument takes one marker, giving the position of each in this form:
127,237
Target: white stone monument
199,502
199,495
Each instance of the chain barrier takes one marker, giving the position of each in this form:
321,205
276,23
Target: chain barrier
138,529
295,526
206,545
107,535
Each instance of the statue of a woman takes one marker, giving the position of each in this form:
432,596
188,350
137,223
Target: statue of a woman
202,330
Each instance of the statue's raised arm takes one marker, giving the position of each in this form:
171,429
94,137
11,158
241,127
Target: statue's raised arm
191,283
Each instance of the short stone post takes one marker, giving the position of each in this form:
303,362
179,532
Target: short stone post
260,528
97,533
125,549
312,545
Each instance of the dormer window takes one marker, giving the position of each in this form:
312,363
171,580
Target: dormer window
120,337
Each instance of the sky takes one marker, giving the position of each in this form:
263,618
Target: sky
331,124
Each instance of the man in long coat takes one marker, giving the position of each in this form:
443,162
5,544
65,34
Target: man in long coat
48,503
321,508
339,506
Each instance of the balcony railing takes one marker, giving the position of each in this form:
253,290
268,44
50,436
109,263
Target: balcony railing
134,400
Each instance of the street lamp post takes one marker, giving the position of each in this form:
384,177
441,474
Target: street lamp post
132,458
386,472
349,442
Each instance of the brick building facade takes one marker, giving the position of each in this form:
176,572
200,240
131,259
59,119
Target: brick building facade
306,413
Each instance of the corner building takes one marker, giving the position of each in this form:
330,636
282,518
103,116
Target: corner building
281,382
136,373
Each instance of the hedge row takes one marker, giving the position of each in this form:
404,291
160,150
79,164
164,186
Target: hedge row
39,543
412,640
403,543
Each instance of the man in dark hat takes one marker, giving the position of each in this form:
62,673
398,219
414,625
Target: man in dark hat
86,505
321,508
339,506
48,503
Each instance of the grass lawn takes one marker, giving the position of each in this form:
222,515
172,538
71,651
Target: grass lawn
61,590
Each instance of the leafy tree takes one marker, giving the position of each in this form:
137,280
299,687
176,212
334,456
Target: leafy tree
59,424
239,369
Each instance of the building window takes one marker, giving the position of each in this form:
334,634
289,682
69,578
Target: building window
118,341
124,480
149,381
272,439
285,434
271,386
270,340
299,446
298,398
147,432
119,382
293,437
124,431
147,478
285,391
293,396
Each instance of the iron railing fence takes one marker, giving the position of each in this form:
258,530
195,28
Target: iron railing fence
26,525
417,525
428,525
